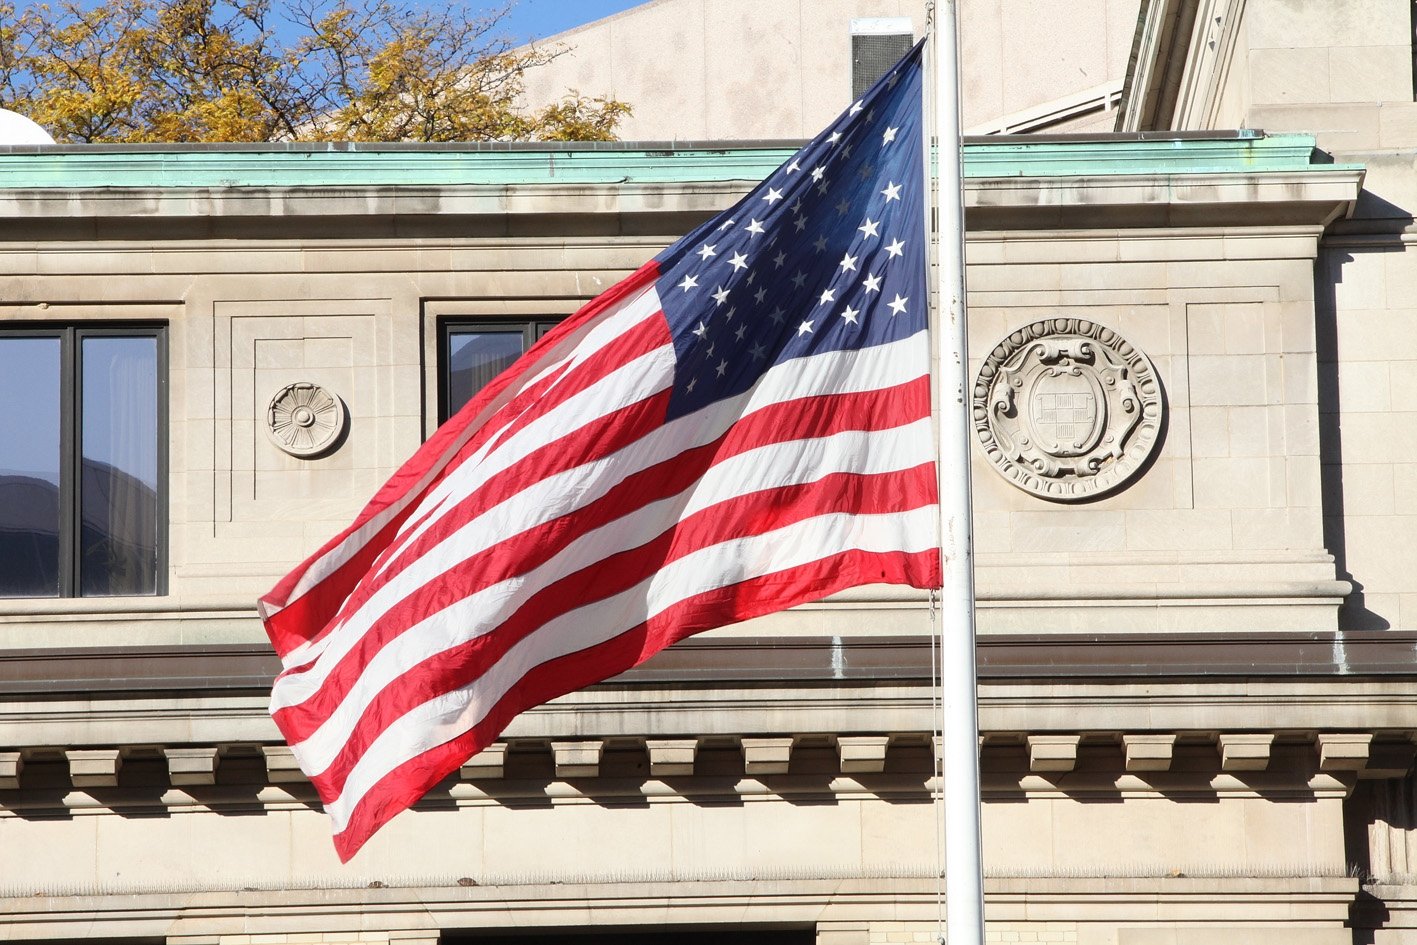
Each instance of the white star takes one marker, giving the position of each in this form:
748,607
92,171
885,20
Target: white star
754,227
759,295
871,283
751,276
776,315
856,108
731,310
794,166
707,251
689,387
738,261
701,330
889,136
823,186
772,196
709,352
726,224
870,227
846,150
758,351
827,296
898,305
892,191
688,283
800,224
720,296
820,243
895,248
798,278
842,206
818,173
834,137
742,330
866,171
722,367
804,329
779,259
797,205
849,314
848,263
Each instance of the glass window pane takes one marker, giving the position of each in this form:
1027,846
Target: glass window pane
118,478
29,467
474,358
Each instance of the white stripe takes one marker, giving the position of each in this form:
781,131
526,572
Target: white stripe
444,718
631,382
846,372
579,345
774,466
643,377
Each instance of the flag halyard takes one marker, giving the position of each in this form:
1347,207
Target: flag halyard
740,426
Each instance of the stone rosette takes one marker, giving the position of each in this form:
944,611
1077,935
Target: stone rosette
1067,409
305,420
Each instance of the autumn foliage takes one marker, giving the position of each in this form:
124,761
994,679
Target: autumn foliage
312,70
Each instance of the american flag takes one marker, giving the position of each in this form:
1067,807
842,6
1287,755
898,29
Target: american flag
740,426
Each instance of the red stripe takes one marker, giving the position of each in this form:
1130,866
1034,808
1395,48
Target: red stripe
820,416
294,629
644,337
790,420
403,786
741,517
595,440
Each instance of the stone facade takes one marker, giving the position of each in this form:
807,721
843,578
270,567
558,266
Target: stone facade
1196,689
746,69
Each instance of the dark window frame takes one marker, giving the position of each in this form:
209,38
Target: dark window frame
531,330
71,398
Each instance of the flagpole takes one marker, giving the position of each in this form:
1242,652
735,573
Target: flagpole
964,879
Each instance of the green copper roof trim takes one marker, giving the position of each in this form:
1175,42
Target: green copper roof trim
343,165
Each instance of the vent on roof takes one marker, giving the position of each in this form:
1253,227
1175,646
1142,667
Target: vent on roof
877,43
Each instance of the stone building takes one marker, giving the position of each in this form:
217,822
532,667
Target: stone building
1197,653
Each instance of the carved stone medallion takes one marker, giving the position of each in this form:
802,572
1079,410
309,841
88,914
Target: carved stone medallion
305,419
1067,409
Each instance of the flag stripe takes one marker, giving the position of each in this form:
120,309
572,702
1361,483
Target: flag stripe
722,565
883,367
469,570
334,565
541,444
407,782
333,749
873,469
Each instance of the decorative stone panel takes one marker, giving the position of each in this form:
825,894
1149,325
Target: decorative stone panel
1067,409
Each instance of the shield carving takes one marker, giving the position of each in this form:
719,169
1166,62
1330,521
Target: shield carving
1066,411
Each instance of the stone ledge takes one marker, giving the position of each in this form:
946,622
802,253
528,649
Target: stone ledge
1035,764
350,902
52,671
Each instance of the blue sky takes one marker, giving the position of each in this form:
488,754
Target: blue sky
537,19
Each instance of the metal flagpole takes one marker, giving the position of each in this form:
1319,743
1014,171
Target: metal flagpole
964,878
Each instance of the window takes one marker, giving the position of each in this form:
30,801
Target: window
473,351
82,455
877,43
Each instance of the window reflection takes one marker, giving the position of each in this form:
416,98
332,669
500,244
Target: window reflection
29,466
474,358
118,505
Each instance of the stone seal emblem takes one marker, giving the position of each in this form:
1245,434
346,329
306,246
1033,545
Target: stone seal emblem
1067,409
305,420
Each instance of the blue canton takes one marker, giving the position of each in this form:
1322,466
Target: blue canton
826,254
